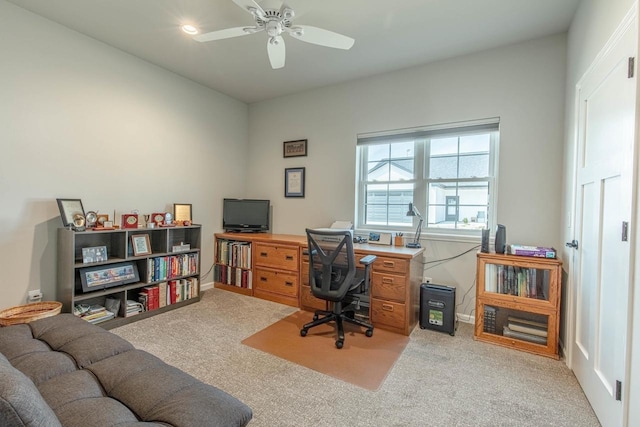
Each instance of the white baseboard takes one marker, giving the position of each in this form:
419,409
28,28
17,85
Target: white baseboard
465,318
205,286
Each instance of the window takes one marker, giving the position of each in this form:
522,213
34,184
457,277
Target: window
448,172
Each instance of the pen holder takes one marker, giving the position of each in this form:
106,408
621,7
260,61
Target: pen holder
398,241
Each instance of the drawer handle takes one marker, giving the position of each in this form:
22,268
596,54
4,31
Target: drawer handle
263,254
389,263
263,279
387,280
288,283
387,307
289,257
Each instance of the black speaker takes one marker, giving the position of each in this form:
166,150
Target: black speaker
485,241
501,239
437,308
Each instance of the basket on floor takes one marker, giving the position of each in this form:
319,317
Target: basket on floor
29,312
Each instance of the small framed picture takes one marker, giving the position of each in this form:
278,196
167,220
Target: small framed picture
294,182
295,148
141,244
182,212
69,208
380,238
94,254
101,277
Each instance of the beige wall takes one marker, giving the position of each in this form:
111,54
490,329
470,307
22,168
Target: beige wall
79,119
523,84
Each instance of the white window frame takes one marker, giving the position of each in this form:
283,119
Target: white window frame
422,137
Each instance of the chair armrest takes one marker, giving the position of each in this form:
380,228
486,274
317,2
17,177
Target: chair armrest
369,259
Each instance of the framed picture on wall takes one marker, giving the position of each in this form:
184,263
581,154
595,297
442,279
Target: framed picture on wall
294,182
295,148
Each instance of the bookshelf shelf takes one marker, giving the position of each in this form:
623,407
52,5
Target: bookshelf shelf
518,302
176,285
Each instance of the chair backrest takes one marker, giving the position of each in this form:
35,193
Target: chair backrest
332,262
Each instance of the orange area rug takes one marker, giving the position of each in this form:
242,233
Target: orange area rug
364,362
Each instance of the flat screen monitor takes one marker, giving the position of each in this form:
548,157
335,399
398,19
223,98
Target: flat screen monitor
249,215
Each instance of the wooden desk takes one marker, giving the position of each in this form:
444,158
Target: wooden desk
278,271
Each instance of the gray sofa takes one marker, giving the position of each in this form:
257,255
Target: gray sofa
62,370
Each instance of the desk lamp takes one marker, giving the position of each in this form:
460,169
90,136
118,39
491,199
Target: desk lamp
416,241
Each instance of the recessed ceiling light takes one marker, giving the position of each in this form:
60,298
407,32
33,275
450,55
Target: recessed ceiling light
189,29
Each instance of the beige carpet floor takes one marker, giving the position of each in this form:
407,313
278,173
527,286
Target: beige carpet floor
438,380
363,361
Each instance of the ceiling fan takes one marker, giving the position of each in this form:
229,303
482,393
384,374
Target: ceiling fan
275,23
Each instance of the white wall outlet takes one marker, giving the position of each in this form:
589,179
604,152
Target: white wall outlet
35,295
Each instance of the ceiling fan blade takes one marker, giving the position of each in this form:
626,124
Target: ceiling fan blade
321,37
276,52
248,5
222,34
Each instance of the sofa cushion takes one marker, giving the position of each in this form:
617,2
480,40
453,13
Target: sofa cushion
18,341
85,342
158,392
20,402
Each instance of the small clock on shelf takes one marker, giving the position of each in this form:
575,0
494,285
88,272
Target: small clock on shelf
91,219
129,220
158,218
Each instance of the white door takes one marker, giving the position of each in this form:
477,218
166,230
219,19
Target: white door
606,96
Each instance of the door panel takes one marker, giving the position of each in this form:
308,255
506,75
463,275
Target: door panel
604,186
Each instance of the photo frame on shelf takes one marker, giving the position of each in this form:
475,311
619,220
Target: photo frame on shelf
380,238
69,209
141,244
106,276
182,212
296,148
294,182
94,254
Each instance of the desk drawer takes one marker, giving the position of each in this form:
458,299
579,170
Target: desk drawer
279,282
391,265
277,256
304,273
388,286
388,313
307,300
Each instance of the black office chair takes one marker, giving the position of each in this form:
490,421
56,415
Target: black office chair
333,277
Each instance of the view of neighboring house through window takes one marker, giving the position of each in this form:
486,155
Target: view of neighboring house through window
447,172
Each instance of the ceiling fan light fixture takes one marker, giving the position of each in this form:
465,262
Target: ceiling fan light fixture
190,29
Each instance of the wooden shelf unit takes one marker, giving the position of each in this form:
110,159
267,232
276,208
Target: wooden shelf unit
119,249
518,302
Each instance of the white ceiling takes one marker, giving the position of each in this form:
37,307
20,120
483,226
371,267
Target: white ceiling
389,34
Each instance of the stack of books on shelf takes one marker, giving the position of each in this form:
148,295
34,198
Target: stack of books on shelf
181,290
518,281
235,254
133,308
149,297
526,330
94,313
233,276
168,267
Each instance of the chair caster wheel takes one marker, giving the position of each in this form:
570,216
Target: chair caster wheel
339,344
315,317
303,332
369,332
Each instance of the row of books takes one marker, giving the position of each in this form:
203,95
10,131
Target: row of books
518,281
233,276
235,254
525,329
167,293
93,314
167,267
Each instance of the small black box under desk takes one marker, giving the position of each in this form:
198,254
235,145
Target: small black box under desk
437,308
